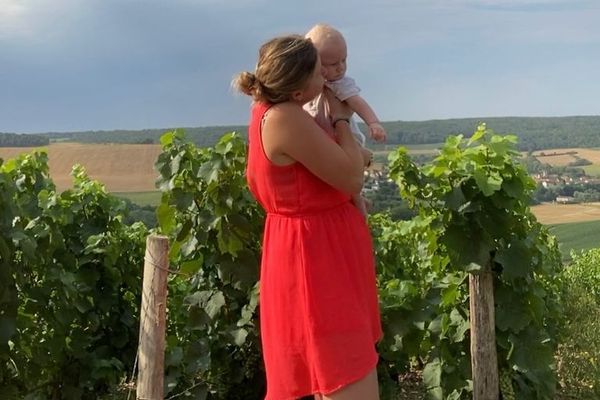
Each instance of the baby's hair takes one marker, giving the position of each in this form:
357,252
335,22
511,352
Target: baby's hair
320,33
284,65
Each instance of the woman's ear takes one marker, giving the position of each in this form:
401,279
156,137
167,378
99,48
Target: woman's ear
297,95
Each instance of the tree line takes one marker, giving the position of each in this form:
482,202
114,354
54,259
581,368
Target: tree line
23,140
534,133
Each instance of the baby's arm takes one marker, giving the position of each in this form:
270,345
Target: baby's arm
366,113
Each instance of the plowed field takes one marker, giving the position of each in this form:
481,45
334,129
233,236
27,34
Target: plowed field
121,167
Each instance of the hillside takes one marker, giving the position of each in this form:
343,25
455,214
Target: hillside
201,136
534,133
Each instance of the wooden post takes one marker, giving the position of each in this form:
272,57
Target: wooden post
151,348
484,360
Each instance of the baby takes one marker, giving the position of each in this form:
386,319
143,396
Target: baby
333,52
332,48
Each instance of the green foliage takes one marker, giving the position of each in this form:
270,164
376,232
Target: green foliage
215,228
476,196
422,304
578,356
70,288
385,199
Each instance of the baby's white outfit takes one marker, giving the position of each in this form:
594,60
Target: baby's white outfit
343,89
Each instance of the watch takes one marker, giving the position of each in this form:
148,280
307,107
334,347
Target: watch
335,121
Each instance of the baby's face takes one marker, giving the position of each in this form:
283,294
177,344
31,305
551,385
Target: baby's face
333,59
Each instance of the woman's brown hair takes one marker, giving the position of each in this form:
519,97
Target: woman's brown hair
284,66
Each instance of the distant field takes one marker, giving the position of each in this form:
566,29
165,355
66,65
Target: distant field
576,226
592,170
142,198
120,167
553,213
589,154
576,236
562,159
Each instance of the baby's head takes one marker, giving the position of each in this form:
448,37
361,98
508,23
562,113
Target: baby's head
332,49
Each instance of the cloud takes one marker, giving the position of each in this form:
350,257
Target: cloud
89,64
23,21
12,17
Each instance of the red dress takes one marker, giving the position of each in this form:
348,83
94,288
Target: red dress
319,314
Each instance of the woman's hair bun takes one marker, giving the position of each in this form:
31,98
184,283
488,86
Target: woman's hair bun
246,82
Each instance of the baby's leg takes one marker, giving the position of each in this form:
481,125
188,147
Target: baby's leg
360,203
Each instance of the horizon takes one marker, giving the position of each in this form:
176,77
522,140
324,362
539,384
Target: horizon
481,119
101,65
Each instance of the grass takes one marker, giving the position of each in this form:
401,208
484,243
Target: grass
592,170
576,236
141,198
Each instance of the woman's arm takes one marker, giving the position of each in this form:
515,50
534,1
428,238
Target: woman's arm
289,134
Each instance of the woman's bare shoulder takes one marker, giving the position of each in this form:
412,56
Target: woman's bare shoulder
288,110
288,120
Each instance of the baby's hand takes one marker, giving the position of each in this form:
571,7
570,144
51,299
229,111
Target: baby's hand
376,132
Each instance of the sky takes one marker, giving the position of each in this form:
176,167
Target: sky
79,65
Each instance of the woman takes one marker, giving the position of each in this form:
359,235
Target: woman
319,315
